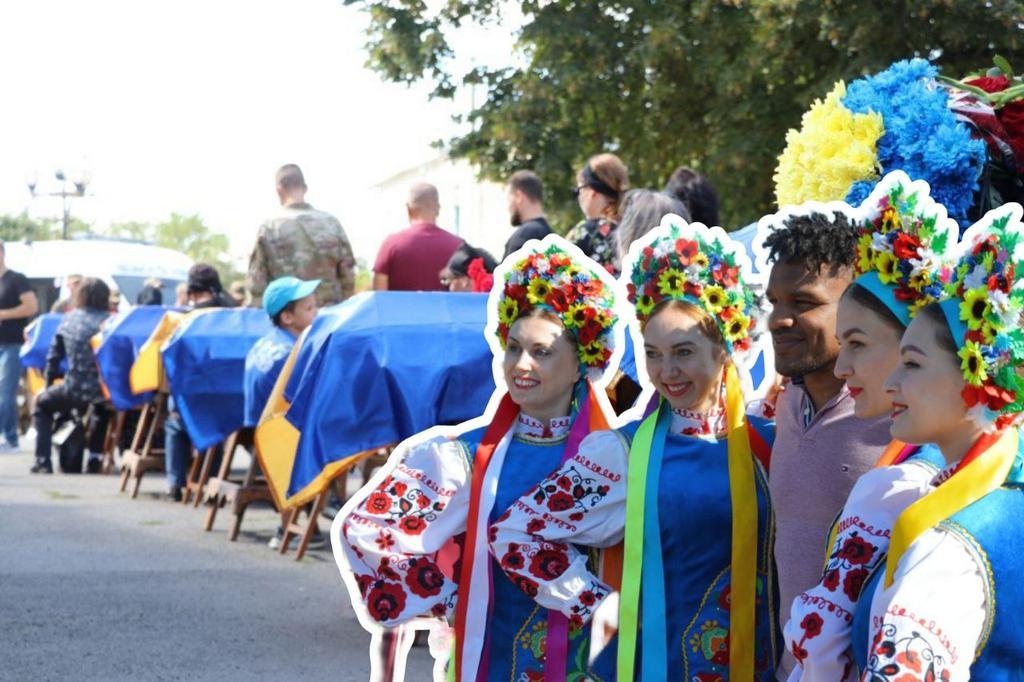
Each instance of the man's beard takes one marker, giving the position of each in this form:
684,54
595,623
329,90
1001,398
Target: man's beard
803,366
516,219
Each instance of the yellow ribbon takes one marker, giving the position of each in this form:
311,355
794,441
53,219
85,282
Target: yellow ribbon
978,478
743,570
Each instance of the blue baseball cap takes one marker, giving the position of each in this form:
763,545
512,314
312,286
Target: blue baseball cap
284,290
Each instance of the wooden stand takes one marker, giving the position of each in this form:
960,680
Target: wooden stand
305,530
198,475
144,455
220,490
111,440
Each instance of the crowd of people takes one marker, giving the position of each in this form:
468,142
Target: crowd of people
685,539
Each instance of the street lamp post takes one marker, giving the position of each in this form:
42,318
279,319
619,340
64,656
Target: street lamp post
77,189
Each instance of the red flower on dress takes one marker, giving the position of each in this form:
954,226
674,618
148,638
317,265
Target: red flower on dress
378,503
422,501
563,482
413,525
854,582
799,653
561,502
400,488
424,578
364,582
831,579
528,587
856,550
512,561
811,625
548,564
386,601
725,598
535,526
588,598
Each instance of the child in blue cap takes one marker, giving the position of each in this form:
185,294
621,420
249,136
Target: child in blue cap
291,304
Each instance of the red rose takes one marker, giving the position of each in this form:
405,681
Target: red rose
1012,118
378,503
831,580
811,625
548,564
853,582
906,246
856,550
386,601
990,84
413,525
535,526
424,578
561,502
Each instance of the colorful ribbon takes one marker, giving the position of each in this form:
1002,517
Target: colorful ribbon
643,561
981,471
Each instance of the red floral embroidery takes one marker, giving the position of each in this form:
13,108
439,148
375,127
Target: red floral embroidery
900,657
831,579
854,582
811,625
535,526
378,503
568,490
413,525
560,502
424,577
529,587
386,601
856,550
513,560
549,563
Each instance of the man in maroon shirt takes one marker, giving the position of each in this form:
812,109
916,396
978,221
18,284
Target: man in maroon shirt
412,259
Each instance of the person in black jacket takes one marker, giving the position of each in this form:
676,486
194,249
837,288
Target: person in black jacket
525,210
81,386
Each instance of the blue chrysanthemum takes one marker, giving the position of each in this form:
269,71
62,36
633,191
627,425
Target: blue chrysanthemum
922,136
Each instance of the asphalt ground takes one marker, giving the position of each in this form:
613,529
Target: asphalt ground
97,586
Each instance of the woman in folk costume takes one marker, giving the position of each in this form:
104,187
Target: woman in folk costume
946,603
904,259
686,486
552,328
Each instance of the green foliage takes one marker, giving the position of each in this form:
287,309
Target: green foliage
23,227
713,84
188,234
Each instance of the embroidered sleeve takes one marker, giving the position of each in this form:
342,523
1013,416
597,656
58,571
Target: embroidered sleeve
584,503
391,538
927,625
818,630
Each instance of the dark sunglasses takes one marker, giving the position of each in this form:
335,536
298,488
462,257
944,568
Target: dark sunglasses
576,191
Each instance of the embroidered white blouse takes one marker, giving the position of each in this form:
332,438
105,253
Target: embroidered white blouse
938,581
391,542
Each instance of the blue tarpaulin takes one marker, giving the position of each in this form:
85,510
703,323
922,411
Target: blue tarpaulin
383,366
205,366
120,341
40,336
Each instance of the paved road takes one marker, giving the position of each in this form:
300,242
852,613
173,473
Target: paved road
96,586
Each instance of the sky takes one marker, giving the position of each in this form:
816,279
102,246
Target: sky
190,106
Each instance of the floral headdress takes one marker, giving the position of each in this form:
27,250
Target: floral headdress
551,279
984,312
904,245
701,266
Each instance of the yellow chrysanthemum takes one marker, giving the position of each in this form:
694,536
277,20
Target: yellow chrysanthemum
833,149
735,328
885,263
972,362
671,282
700,260
508,311
538,290
592,354
975,307
864,253
644,305
714,298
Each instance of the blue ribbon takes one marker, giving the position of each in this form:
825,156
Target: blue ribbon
886,294
654,651
951,309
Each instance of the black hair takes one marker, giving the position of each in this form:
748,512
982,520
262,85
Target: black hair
458,264
289,176
933,311
865,298
150,295
276,318
814,240
697,194
529,183
93,293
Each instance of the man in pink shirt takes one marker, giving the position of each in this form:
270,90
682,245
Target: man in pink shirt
412,259
820,448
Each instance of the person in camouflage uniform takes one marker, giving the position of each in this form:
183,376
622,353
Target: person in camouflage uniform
301,242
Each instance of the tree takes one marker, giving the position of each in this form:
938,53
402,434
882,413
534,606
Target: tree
23,227
185,233
713,84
